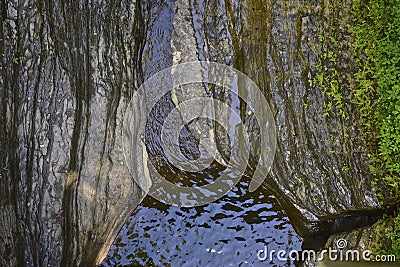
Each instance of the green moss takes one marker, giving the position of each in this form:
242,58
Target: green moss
387,237
394,237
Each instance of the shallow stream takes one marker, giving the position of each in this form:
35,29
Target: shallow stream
228,232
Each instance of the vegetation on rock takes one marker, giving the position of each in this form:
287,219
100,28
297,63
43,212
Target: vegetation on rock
377,48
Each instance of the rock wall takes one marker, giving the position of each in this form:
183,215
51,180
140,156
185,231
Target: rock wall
68,70
320,170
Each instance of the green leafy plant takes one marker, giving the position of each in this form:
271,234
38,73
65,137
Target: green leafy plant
376,32
377,38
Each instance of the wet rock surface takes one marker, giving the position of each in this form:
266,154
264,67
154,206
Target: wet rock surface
68,71
320,170
319,166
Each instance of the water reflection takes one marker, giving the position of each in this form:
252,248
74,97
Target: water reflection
228,232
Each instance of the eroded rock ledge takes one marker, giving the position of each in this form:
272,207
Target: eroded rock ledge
68,70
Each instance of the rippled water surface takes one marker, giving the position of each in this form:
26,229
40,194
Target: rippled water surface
228,232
